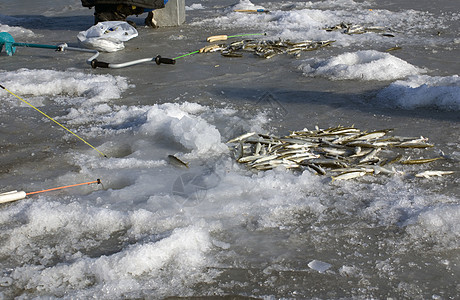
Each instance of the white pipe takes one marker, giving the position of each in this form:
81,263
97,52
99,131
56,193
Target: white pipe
89,61
12,196
64,47
131,63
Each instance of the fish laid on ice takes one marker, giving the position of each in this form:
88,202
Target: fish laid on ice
347,150
419,161
415,143
349,28
241,137
428,174
176,161
371,156
249,158
264,48
349,175
211,48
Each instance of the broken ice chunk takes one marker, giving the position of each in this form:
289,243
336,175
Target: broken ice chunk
319,266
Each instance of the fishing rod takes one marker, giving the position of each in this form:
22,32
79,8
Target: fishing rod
10,48
15,195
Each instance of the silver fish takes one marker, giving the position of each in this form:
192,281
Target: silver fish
419,161
241,137
428,174
176,161
348,175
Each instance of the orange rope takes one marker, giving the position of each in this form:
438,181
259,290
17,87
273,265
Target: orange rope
98,181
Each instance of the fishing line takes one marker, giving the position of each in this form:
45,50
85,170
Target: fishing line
1,86
98,181
186,54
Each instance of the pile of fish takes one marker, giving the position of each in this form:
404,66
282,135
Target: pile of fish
343,152
349,28
265,48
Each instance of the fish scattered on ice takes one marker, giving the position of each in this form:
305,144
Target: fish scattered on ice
349,28
265,48
342,152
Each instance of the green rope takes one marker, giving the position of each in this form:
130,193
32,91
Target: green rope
187,54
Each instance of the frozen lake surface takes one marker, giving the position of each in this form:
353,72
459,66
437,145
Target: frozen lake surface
153,229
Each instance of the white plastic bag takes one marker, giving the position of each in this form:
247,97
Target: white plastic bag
107,36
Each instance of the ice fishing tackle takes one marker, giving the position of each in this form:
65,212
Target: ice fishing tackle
10,48
15,195
158,60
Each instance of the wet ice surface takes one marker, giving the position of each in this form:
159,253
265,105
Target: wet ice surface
156,230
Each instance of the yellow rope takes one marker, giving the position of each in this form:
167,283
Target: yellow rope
52,120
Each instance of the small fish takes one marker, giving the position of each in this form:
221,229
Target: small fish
370,157
373,135
414,145
379,169
177,162
375,29
211,48
392,161
231,54
393,49
344,130
331,163
419,161
428,174
316,168
349,175
241,137
266,158
360,152
250,158
301,157
362,144
334,151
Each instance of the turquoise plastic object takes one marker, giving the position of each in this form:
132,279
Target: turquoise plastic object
8,41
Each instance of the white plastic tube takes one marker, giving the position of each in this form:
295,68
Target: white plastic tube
64,47
12,196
